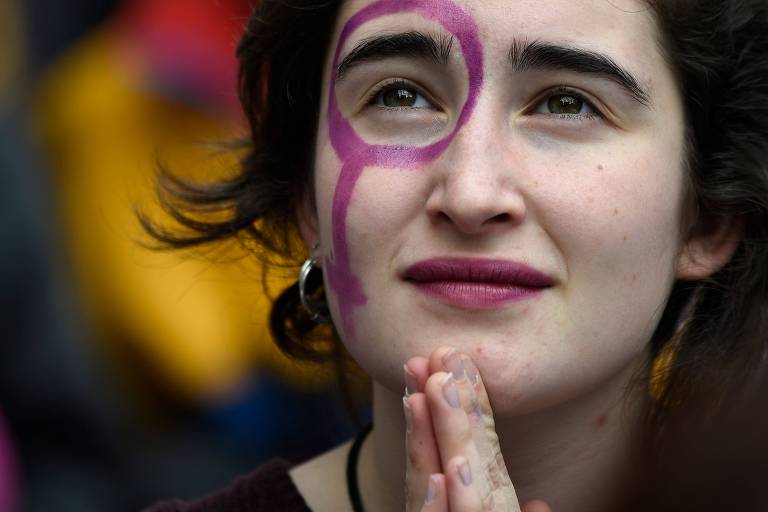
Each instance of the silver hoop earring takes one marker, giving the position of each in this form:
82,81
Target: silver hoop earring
318,311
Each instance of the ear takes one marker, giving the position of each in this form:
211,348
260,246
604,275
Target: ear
306,216
710,249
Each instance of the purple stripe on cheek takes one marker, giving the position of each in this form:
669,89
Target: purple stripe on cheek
355,154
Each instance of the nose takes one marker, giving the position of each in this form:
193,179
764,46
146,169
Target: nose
475,187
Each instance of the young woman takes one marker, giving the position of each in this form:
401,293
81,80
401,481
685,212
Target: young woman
545,221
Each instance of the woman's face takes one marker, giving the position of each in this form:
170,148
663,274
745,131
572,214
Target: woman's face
504,177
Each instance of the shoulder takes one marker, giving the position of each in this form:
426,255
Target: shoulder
268,488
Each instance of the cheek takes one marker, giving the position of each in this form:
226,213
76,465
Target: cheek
623,249
613,211
385,203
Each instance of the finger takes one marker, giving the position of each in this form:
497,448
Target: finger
416,372
481,415
536,506
422,458
436,499
464,426
447,399
463,492
456,363
437,357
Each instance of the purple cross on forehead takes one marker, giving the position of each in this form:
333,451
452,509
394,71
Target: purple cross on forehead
355,154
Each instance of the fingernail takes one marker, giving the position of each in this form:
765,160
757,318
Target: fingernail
408,414
450,393
411,385
431,489
465,473
469,367
453,363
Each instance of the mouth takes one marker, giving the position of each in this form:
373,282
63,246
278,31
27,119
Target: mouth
473,283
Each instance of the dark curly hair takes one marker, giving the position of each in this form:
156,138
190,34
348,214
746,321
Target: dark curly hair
718,51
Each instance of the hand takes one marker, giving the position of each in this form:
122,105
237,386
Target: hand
453,459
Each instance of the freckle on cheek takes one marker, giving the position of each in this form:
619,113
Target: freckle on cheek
600,422
615,212
624,238
600,167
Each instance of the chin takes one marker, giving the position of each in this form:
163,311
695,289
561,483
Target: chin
527,366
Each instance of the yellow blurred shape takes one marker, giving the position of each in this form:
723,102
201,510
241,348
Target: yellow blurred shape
199,325
11,46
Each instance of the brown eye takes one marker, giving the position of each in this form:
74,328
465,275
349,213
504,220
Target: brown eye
565,104
401,96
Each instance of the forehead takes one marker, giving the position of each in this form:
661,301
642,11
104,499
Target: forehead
625,29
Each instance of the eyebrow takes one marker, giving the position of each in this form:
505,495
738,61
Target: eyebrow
540,56
412,44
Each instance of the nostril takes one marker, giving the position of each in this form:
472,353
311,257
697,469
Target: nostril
444,217
500,218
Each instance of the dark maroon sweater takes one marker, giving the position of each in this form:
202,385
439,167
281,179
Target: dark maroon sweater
268,489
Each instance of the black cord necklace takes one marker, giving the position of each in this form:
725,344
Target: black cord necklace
354,454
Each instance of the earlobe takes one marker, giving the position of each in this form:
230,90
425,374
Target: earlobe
707,252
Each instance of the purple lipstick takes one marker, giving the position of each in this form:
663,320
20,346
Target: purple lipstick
477,283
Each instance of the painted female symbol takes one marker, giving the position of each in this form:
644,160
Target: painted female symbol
355,154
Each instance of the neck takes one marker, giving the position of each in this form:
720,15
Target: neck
577,456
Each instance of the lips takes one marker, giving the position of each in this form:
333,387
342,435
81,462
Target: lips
477,283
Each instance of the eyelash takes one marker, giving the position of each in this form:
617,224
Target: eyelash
376,94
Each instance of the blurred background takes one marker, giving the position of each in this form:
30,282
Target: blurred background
128,375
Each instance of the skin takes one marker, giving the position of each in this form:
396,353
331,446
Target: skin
594,200
356,153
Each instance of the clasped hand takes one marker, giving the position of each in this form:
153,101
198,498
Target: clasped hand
453,459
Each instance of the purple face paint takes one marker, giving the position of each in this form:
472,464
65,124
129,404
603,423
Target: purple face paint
355,154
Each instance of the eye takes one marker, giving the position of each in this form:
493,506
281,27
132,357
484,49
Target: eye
399,95
566,103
